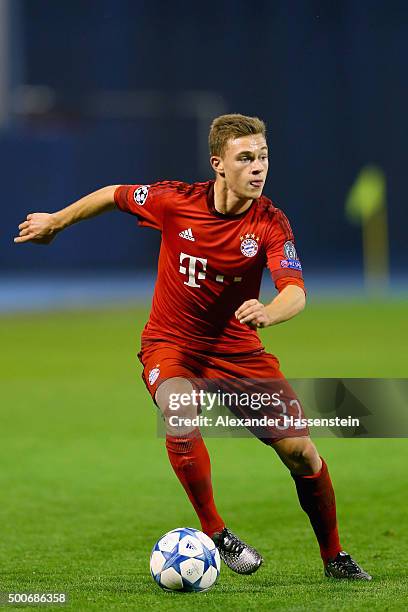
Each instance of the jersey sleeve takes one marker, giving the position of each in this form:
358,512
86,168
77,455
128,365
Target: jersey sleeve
281,256
147,202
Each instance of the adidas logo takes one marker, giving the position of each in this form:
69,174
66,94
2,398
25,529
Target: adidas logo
190,544
187,234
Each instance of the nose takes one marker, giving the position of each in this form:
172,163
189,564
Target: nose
257,167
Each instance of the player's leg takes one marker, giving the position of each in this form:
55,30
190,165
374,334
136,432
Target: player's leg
187,452
190,460
297,451
314,489
166,373
317,499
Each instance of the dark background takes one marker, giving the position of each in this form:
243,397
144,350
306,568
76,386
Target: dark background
105,92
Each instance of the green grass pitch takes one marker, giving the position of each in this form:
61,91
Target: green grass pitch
86,488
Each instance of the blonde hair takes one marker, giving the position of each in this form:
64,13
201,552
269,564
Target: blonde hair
225,127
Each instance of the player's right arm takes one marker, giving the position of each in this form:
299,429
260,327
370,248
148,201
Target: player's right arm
42,228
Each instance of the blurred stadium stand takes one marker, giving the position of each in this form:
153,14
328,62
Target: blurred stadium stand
116,91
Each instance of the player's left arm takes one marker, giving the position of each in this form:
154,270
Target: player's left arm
287,304
286,272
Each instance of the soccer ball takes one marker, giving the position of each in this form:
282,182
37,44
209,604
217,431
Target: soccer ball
185,559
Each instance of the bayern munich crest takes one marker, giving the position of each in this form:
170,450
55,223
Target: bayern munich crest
140,194
154,374
249,245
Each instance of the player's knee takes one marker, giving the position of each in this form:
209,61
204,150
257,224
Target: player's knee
174,398
174,395
306,459
300,455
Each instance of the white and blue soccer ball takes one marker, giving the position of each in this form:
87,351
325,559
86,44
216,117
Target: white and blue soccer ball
185,559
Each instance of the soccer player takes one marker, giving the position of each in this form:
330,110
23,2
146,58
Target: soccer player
217,237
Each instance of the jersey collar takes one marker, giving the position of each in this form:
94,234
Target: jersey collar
214,211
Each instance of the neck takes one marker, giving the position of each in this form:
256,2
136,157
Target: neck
227,202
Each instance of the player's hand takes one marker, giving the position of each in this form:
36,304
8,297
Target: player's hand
253,313
40,228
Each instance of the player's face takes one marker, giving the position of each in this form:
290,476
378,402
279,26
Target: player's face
244,165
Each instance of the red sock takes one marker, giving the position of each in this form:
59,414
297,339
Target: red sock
189,457
316,497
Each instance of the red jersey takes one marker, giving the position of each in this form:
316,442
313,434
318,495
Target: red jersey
209,263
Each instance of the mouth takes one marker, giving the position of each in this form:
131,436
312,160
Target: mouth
256,184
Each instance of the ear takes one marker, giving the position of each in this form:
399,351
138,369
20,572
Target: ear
217,165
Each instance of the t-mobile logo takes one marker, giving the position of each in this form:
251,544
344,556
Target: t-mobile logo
192,269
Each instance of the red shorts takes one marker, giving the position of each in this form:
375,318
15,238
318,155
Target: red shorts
239,372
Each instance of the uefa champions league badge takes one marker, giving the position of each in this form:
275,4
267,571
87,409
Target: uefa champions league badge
140,194
289,250
249,245
154,374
